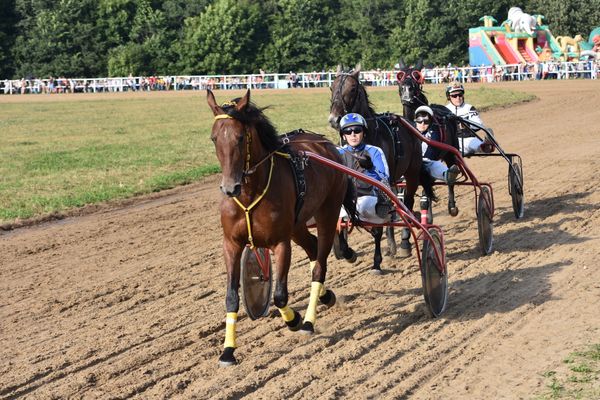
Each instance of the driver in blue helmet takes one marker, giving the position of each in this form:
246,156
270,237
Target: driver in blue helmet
370,160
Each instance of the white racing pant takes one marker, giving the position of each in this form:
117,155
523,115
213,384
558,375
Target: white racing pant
366,210
435,168
471,145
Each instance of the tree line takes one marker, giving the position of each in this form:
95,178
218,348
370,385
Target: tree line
93,38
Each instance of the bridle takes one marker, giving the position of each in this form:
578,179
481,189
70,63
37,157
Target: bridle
414,80
339,96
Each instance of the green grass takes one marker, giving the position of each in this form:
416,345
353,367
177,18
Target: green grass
579,378
63,152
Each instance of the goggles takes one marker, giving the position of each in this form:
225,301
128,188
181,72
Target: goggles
457,95
352,129
422,120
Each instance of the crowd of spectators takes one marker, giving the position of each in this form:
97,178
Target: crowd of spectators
262,80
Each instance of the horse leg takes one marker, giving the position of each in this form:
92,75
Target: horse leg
326,223
283,254
409,200
309,242
347,252
391,239
452,208
377,233
232,252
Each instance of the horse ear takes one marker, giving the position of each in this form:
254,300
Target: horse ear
356,71
243,103
339,69
212,103
401,63
419,65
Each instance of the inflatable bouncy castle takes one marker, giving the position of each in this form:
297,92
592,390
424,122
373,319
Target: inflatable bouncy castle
522,38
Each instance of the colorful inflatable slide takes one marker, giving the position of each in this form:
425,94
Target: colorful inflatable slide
502,45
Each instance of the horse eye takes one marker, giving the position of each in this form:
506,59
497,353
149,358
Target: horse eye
213,138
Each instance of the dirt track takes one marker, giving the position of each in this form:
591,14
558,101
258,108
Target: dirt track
129,302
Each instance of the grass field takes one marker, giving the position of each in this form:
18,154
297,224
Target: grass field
64,151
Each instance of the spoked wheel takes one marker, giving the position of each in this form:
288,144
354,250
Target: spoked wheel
256,287
435,283
515,188
484,221
337,251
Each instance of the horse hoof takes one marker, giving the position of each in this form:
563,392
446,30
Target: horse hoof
350,256
453,211
404,252
328,298
227,359
307,328
296,323
376,271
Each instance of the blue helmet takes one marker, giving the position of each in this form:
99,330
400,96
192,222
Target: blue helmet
352,119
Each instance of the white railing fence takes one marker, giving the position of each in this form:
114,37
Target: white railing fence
437,75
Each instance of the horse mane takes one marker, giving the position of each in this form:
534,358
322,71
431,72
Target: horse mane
363,98
253,115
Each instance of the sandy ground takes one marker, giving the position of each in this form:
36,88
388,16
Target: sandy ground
128,301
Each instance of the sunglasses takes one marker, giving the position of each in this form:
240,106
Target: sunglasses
457,95
422,120
354,129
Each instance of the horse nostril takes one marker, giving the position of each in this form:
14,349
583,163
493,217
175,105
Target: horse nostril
237,189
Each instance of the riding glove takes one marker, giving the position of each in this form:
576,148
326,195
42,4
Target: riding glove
365,162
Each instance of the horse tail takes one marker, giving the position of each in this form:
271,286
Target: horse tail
427,183
350,203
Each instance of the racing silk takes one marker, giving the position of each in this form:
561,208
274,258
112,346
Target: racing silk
465,111
430,152
380,170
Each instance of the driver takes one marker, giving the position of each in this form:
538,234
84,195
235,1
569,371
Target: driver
455,93
369,160
431,154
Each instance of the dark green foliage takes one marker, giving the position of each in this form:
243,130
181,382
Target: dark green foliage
87,38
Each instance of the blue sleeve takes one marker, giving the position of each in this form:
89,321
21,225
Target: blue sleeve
380,169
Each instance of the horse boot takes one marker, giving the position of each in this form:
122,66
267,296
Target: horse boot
405,246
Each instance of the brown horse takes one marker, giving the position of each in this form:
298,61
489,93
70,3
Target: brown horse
260,206
401,148
410,88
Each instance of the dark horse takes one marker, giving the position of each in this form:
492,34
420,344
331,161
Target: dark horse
260,205
410,87
402,149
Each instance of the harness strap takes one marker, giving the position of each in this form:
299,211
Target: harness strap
223,116
253,204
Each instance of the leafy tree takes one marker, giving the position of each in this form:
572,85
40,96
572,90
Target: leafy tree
300,35
57,38
361,32
568,18
224,39
8,33
136,35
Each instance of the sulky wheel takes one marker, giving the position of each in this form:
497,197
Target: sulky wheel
435,283
256,287
337,251
484,221
515,188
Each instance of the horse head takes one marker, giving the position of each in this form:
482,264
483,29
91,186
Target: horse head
410,86
230,137
345,91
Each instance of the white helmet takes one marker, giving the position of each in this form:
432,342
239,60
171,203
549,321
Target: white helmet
424,109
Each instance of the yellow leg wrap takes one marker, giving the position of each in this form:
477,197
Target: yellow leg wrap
311,311
230,322
312,266
286,313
